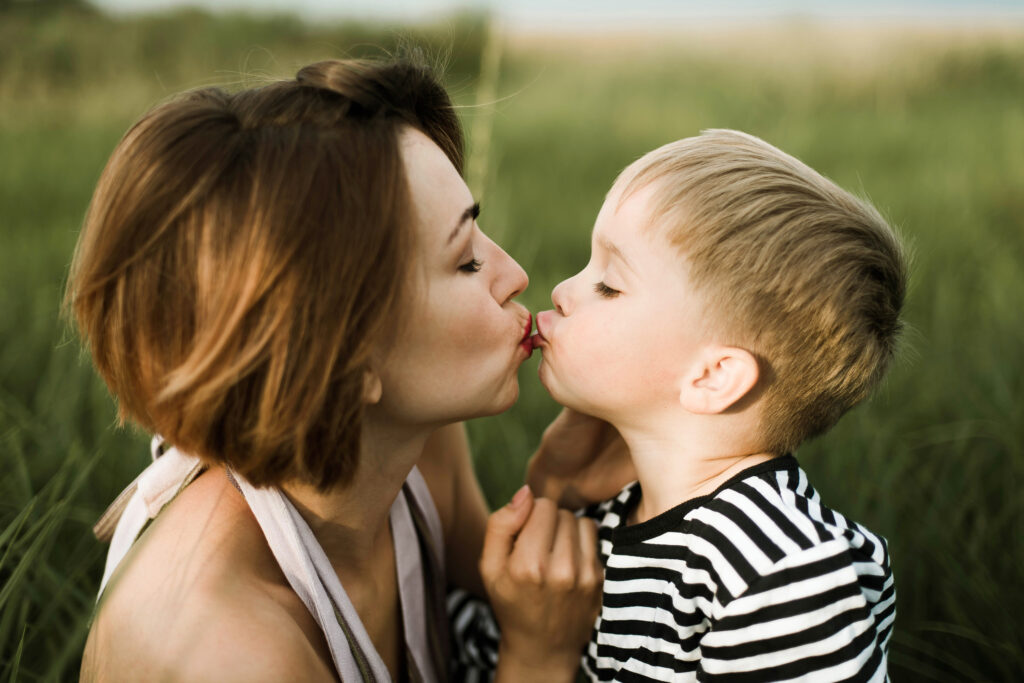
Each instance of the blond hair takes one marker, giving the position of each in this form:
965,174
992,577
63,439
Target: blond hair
242,255
801,273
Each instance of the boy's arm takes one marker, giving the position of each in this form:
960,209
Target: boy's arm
825,613
580,460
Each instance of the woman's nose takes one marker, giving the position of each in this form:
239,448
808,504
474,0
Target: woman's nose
512,279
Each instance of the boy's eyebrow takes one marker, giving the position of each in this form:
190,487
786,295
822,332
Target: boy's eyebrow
469,214
608,246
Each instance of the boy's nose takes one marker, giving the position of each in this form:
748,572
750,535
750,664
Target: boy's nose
560,297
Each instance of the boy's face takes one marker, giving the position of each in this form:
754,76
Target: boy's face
627,327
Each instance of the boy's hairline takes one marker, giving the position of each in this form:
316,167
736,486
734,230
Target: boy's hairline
659,221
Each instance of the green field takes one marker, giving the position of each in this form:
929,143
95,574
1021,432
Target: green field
927,123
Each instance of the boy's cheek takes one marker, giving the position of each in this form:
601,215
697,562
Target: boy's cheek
599,368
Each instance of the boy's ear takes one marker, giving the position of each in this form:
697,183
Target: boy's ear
721,377
373,389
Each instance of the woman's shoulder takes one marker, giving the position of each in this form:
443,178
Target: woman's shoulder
223,642
200,597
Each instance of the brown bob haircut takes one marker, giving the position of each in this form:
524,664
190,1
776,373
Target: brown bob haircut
242,255
801,273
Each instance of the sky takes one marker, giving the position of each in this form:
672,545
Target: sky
581,14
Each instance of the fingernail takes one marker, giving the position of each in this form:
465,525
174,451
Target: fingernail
520,497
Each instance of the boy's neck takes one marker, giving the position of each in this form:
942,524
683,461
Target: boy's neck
683,462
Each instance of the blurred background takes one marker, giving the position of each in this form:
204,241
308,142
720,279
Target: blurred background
917,106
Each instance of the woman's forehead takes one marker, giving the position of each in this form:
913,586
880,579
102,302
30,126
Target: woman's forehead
438,193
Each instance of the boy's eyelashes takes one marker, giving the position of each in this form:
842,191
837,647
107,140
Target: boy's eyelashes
606,291
471,266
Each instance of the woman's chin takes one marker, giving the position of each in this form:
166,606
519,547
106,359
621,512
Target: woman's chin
497,403
509,399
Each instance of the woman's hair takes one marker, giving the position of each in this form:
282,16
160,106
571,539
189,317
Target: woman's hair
242,255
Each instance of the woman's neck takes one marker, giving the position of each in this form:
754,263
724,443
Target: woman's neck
351,521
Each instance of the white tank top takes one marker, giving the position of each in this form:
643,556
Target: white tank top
418,543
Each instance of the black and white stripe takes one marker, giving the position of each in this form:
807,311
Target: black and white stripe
758,581
474,636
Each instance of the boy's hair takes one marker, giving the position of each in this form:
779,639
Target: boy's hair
801,273
242,255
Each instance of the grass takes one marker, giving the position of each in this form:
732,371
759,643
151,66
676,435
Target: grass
929,125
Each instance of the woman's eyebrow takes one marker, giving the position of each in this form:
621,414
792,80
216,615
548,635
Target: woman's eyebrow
469,214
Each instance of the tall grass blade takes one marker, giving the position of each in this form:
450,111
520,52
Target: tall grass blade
15,665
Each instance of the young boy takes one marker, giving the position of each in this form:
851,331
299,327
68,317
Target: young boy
736,304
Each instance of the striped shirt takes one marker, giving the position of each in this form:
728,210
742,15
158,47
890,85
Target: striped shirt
757,581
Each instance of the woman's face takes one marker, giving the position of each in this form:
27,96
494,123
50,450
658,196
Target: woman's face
458,353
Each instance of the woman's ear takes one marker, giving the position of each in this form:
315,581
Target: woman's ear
721,377
372,387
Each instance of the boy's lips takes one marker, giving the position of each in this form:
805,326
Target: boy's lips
540,339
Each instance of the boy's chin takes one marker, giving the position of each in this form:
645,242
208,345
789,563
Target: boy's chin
567,399
549,386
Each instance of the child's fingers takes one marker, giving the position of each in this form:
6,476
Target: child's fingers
502,528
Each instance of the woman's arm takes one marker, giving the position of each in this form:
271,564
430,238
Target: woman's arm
540,564
543,577
580,460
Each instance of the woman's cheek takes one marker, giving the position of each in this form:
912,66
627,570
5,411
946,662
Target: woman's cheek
474,332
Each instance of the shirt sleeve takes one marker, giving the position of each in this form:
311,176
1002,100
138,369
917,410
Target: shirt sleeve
825,613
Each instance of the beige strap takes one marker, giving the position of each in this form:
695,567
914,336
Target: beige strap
104,527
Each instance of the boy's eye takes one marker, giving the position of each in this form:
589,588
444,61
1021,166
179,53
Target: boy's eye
606,291
471,266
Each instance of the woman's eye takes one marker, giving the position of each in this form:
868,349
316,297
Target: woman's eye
606,291
471,266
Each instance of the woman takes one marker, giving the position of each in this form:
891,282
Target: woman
288,285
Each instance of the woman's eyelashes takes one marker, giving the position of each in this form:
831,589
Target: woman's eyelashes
471,266
606,291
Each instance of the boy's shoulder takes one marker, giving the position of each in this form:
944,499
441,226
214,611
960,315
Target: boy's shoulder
753,575
779,512
766,521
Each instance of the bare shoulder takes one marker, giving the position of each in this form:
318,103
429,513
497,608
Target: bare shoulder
246,645
223,643
201,598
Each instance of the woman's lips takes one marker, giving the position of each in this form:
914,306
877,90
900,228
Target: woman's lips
526,343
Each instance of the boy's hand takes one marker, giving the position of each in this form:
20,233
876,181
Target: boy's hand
581,460
543,578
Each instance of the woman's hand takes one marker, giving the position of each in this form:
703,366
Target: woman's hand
543,578
581,460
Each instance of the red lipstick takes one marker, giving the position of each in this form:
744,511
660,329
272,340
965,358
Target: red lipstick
526,343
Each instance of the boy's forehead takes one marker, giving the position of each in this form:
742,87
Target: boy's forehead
624,217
